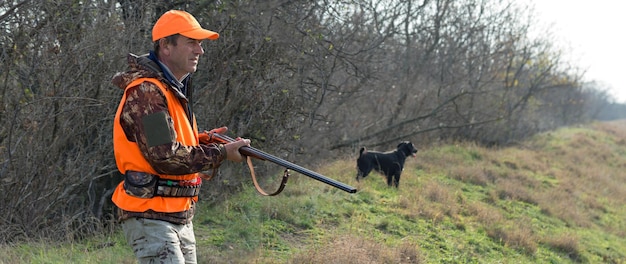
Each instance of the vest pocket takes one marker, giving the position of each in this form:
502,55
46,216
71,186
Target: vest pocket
140,184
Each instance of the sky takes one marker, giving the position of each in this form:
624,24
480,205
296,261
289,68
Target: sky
594,32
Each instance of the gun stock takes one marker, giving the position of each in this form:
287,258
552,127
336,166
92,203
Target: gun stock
252,152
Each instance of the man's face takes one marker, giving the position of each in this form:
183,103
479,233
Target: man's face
182,58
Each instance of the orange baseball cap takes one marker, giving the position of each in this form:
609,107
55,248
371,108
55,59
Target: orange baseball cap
180,22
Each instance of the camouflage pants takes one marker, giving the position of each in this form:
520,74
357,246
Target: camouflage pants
156,241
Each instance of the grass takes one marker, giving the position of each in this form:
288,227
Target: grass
559,197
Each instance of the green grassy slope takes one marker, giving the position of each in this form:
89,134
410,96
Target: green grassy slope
559,197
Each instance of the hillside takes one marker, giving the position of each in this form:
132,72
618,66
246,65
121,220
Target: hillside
559,197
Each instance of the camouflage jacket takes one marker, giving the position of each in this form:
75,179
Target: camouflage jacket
172,158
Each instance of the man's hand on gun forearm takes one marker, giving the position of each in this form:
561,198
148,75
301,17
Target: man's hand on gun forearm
232,149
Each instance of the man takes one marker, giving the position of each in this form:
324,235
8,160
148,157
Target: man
157,146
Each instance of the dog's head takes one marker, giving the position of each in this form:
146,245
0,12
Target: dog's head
407,148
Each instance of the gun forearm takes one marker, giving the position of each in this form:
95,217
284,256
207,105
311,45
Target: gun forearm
252,152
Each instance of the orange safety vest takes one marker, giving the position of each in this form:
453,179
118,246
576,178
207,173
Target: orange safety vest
129,157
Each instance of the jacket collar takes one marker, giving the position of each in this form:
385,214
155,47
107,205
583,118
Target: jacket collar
179,85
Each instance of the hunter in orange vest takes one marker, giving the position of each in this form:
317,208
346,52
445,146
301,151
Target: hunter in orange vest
156,143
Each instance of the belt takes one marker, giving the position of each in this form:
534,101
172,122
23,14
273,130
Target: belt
186,188
146,185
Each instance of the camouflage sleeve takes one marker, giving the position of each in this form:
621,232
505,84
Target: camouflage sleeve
169,156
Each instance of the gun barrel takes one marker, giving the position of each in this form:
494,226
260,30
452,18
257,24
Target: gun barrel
264,156
250,151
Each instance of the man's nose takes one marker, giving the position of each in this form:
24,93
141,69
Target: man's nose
199,49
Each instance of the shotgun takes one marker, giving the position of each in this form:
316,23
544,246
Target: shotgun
258,154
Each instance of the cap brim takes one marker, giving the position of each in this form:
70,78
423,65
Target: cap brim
201,33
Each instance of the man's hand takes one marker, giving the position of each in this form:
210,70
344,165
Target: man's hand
232,149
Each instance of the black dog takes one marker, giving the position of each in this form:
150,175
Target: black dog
390,163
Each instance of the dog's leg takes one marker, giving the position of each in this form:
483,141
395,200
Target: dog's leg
397,180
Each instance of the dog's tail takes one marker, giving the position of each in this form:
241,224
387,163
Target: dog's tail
362,151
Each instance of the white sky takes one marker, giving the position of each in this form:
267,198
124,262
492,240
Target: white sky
595,32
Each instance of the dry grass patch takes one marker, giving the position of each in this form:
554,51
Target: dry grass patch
356,250
575,198
459,154
485,214
616,129
604,181
476,175
563,204
406,202
567,243
439,201
516,188
516,235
